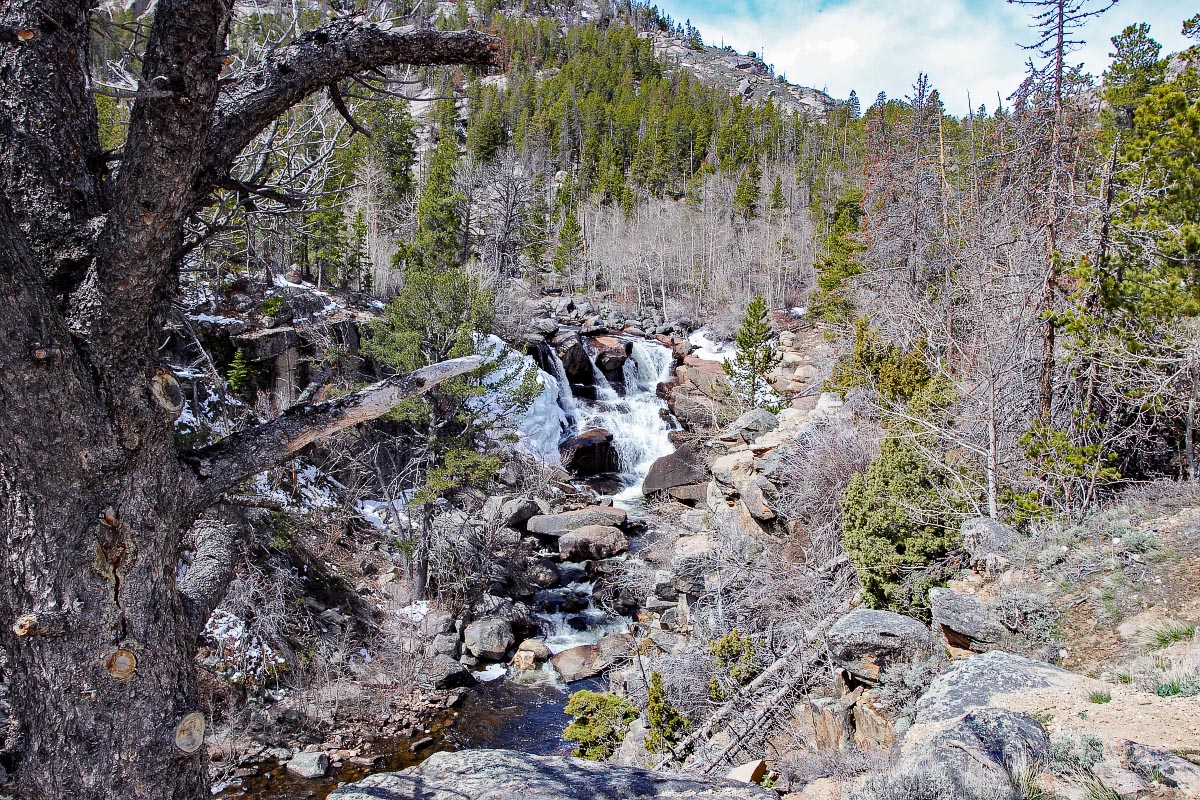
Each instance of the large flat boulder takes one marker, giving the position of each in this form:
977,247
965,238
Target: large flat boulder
265,344
489,638
558,524
684,467
590,453
503,774
964,621
589,660
864,642
592,542
442,671
971,683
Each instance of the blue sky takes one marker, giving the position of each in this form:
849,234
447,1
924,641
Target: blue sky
880,45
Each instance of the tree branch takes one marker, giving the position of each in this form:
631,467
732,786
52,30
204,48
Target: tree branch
204,584
335,95
318,59
227,463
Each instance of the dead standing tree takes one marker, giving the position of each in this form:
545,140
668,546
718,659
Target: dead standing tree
94,495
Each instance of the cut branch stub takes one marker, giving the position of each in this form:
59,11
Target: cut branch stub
40,623
165,390
189,733
121,664
25,624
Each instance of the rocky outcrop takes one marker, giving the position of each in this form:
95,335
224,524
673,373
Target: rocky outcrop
964,622
592,542
684,467
746,76
491,774
988,543
865,642
489,638
589,660
558,524
590,453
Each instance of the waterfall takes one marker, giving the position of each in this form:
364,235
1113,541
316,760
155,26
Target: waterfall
565,398
639,427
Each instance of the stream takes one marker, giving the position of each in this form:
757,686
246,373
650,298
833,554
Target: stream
523,709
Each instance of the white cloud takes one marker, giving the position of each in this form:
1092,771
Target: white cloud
966,46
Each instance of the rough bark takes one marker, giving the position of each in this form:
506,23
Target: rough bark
94,497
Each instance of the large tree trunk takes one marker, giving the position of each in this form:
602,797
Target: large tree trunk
98,628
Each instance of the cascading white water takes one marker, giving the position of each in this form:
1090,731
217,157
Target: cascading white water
640,429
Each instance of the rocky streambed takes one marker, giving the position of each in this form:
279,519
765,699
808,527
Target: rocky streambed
522,652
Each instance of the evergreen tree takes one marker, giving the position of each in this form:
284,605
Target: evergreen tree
358,270
777,203
838,265
438,243
747,193
1135,68
570,245
756,356
394,146
600,723
535,225
853,105
664,724
895,525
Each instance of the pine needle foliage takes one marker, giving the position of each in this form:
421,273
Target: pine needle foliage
756,356
665,725
600,722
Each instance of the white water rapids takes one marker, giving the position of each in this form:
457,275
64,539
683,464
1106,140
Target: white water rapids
524,711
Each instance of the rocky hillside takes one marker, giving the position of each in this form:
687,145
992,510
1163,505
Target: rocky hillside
742,75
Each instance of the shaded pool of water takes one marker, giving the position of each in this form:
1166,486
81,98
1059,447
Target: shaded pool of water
524,714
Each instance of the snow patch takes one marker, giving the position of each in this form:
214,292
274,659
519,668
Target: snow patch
708,349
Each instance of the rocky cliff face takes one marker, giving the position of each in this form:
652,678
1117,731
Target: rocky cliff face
741,75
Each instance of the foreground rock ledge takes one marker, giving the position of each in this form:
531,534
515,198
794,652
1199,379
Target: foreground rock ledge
504,774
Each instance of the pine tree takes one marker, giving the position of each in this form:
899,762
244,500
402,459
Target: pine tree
853,105
838,265
1135,69
358,268
756,356
394,146
570,245
664,723
747,193
777,203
